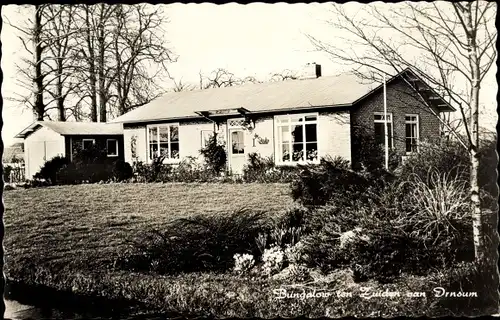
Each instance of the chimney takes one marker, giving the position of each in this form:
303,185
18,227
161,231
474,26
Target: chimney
310,71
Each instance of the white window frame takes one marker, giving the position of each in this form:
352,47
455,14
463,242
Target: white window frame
278,159
417,122
107,151
157,126
383,121
83,142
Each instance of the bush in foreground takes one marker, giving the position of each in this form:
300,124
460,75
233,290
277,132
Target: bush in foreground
196,244
425,227
264,170
50,169
333,180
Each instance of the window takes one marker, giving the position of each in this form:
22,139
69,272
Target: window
412,134
297,138
163,140
87,143
379,121
237,142
205,137
112,147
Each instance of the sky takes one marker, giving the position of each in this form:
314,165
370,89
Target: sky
249,40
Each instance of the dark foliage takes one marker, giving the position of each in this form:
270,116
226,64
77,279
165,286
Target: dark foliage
6,173
392,246
92,154
215,155
51,168
156,171
450,157
369,155
333,180
76,173
122,170
447,157
264,170
469,277
488,178
200,243
189,170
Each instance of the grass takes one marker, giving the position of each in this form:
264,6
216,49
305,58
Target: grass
68,237
84,226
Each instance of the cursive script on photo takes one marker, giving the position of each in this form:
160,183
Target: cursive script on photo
303,294
368,293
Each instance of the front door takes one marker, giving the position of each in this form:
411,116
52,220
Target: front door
237,157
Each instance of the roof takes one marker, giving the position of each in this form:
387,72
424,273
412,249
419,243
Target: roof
261,97
15,151
74,128
330,91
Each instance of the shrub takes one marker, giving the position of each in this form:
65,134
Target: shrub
470,277
273,259
284,231
436,201
488,164
51,168
380,246
76,173
156,171
92,154
295,253
215,155
333,180
264,170
446,157
122,171
368,154
199,243
190,170
243,262
6,173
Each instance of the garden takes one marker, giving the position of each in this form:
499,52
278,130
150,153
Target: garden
312,240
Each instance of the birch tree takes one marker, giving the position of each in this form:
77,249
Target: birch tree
443,42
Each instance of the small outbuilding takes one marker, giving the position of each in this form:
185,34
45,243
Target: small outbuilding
44,140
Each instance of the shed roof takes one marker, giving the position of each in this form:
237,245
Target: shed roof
74,128
330,91
15,151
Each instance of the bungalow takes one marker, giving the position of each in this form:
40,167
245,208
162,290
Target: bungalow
294,121
44,140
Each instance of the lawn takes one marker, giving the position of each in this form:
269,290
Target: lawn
60,226
68,237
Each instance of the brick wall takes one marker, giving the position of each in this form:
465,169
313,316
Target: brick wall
400,101
334,137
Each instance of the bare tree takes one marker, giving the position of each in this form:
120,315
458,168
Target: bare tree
62,65
121,45
452,42
179,86
33,73
138,43
286,74
219,78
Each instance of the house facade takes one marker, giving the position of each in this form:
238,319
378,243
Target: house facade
44,140
295,121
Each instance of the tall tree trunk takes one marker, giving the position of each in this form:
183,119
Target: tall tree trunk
38,107
100,67
477,223
59,91
91,71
